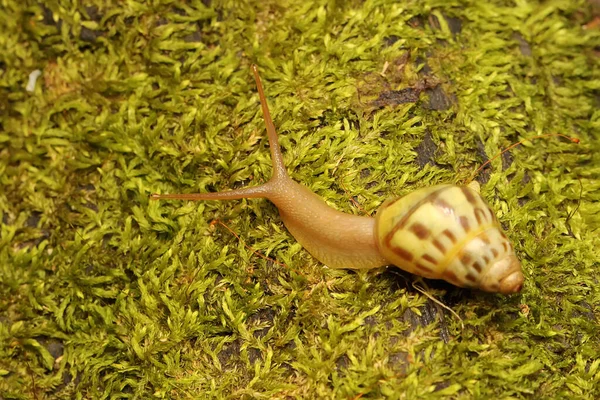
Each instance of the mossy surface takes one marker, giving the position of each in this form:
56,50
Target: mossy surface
105,294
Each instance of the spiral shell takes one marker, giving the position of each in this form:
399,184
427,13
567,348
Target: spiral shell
448,232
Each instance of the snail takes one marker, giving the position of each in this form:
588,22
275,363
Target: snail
442,232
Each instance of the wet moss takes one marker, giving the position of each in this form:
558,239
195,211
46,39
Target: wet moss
104,294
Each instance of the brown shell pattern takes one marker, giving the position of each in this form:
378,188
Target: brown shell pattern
442,232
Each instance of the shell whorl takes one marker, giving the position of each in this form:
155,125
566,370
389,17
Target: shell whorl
443,232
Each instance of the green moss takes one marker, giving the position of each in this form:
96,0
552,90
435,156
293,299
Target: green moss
104,294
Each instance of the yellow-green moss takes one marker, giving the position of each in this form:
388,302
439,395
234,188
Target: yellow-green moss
104,294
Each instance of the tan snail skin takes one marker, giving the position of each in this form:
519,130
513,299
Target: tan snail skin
442,232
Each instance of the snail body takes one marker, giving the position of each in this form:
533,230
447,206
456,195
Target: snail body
441,232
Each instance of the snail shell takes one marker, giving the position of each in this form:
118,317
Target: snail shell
448,232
